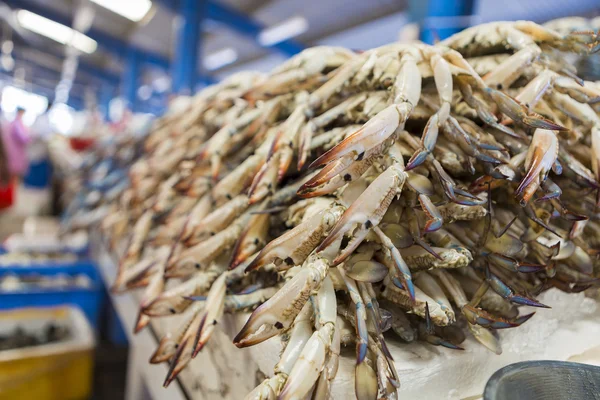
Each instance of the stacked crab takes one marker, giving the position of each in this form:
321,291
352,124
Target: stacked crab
428,189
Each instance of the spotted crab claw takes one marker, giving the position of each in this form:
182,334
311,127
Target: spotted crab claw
509,294
373,133
175,299
181,350
217,220
338,173
169,343
252,238
201,255
518,112
214,305
366,211
294,246
279,311
265,181
153,290
480,317
541,156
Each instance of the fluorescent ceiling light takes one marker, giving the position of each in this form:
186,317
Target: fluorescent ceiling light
133,10
55,31
220,58
287,29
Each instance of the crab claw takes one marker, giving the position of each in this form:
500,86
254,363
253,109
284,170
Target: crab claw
294,246
336,174
450,189
184,349
507,293
175,300
511,264
435,220
213,311
168,345
480,317
180,360
430,135
366,211
153,290
373,133
252,238
265,180
518,112
201,255
541,155
430,335
279,311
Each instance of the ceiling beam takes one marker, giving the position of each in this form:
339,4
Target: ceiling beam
85,67
239,22
113,45
110,43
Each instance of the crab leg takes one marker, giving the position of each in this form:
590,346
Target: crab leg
310,363
507,293
300,333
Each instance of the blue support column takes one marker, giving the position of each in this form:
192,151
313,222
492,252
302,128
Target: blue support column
421,10
129,85
185,65
105,95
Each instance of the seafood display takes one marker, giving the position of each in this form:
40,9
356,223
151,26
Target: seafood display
426,192
22,337
30,282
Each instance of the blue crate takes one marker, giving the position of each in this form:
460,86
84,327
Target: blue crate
88,300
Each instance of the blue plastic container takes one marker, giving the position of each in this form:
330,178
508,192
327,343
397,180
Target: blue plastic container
89,300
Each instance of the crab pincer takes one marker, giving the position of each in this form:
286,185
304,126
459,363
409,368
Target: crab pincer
279,311
482,318
366,211
294,246
509,294
541,156
520,113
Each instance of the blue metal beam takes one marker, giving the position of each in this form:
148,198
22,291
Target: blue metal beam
185,65
131,79
108,42
248,27
421,10
240,23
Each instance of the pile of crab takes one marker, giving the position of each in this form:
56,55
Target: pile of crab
430,190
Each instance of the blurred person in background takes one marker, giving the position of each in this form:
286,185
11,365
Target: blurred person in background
16,139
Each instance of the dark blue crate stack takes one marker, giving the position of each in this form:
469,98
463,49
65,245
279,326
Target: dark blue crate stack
89,300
